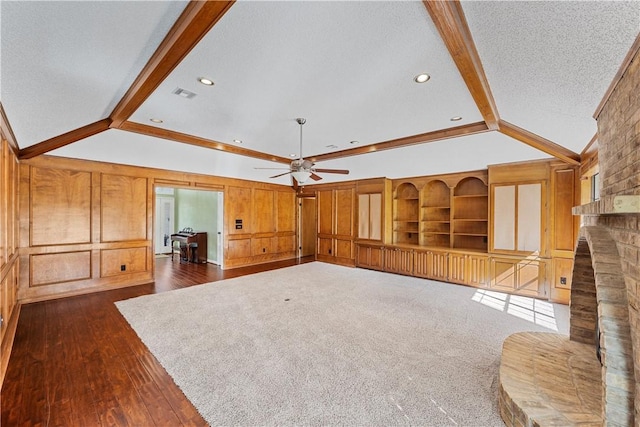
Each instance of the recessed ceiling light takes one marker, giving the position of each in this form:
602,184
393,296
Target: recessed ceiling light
157,120
455,119
354,142
332,146
293,155
421,78
237,141
205,81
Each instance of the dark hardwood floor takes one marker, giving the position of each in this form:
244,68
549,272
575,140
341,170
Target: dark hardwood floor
77,362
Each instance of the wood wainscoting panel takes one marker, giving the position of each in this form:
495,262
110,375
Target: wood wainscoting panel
134,260
124,208
60,203
564,183
345,249
345,204
262,245
238,248
238,210
48,269
263,205
286,243
560,289
286,213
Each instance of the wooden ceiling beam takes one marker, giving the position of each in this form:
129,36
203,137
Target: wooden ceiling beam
200,142
64,139
195,21
470,129
538,142
451,23
7,132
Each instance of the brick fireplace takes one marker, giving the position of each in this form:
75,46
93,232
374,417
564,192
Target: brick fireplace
567,385
611,230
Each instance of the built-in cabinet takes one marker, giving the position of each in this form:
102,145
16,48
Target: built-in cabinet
509,228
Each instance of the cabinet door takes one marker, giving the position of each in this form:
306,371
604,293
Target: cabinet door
517,214
398,261
477,270
375,216
369,257
458,268
370,216
364,223
432,265
517,276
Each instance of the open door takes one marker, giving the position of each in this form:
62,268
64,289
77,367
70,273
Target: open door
308,234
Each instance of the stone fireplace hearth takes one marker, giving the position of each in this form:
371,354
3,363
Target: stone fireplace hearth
549,379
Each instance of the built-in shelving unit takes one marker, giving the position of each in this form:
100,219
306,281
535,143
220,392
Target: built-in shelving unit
406,221
470,214
436,214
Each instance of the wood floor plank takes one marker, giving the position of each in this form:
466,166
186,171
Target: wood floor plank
76,361
13,384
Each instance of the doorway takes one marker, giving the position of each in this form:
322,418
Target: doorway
165,221
183,208
308,233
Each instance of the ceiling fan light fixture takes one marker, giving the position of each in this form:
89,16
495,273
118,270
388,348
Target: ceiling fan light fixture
421,78
301,176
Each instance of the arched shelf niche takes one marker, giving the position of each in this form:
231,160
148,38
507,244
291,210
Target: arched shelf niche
436,214
470,214
406,214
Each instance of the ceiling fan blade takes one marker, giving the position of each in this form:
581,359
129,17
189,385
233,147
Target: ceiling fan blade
294,183
273,168
282,174
315,177
340,171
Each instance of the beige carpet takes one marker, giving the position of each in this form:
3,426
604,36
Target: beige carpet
320,344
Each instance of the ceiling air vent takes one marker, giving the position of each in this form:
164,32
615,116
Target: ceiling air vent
184,93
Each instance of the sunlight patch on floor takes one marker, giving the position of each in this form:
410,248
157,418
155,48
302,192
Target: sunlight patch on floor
530,309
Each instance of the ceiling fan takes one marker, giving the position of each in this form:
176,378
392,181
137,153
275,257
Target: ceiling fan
301,169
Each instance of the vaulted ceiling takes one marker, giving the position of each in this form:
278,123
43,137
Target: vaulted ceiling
84,79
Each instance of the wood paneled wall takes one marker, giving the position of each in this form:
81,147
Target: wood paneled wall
261,225
88,226
9,270
82,229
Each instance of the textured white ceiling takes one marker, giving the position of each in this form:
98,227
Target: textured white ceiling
66,64
549,63
347,67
